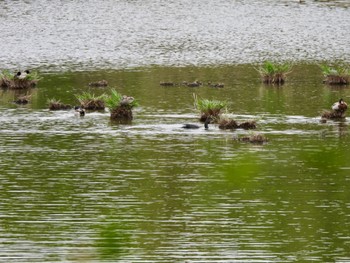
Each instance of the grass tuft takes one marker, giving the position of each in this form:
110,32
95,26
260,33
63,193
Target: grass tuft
57,105
120,106
209,108
91,102
336,75
8,80
272,73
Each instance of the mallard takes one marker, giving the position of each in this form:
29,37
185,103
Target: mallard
340,106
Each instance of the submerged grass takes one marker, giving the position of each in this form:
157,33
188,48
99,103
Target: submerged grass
255,138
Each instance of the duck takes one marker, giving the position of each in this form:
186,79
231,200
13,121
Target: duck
22,75
79,110
340,106
17,75
194,84
195,126
126,100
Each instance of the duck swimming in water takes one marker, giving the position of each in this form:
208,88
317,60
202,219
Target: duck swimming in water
79,110
195,126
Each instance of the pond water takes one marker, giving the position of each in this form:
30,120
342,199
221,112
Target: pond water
83,189
85,35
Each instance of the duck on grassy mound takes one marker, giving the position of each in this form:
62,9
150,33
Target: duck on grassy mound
20,80
21,75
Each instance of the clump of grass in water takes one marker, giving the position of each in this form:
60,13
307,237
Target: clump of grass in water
226,123
336,75
256,138
272,73
120,106
7,74
8,80
209,108
57,105
91,102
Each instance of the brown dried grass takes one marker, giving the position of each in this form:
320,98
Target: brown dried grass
337,79
17,83
122,113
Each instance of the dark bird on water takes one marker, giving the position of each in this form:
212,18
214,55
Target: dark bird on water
195,126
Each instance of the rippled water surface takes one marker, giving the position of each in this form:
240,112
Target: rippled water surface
82,189
118,34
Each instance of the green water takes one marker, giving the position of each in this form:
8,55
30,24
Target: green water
86,190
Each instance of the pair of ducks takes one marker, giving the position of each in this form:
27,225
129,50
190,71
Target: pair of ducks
22,75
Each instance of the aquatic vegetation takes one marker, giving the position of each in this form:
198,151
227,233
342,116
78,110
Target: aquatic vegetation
336,75
167,83
193,84
57,105
11,81
338,110
100,83
120,106
91,102
111,240
22,99
272,73
209,108
216,85
247,125
254,138
227,123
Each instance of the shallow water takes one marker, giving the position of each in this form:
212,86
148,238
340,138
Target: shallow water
86,190
85,35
